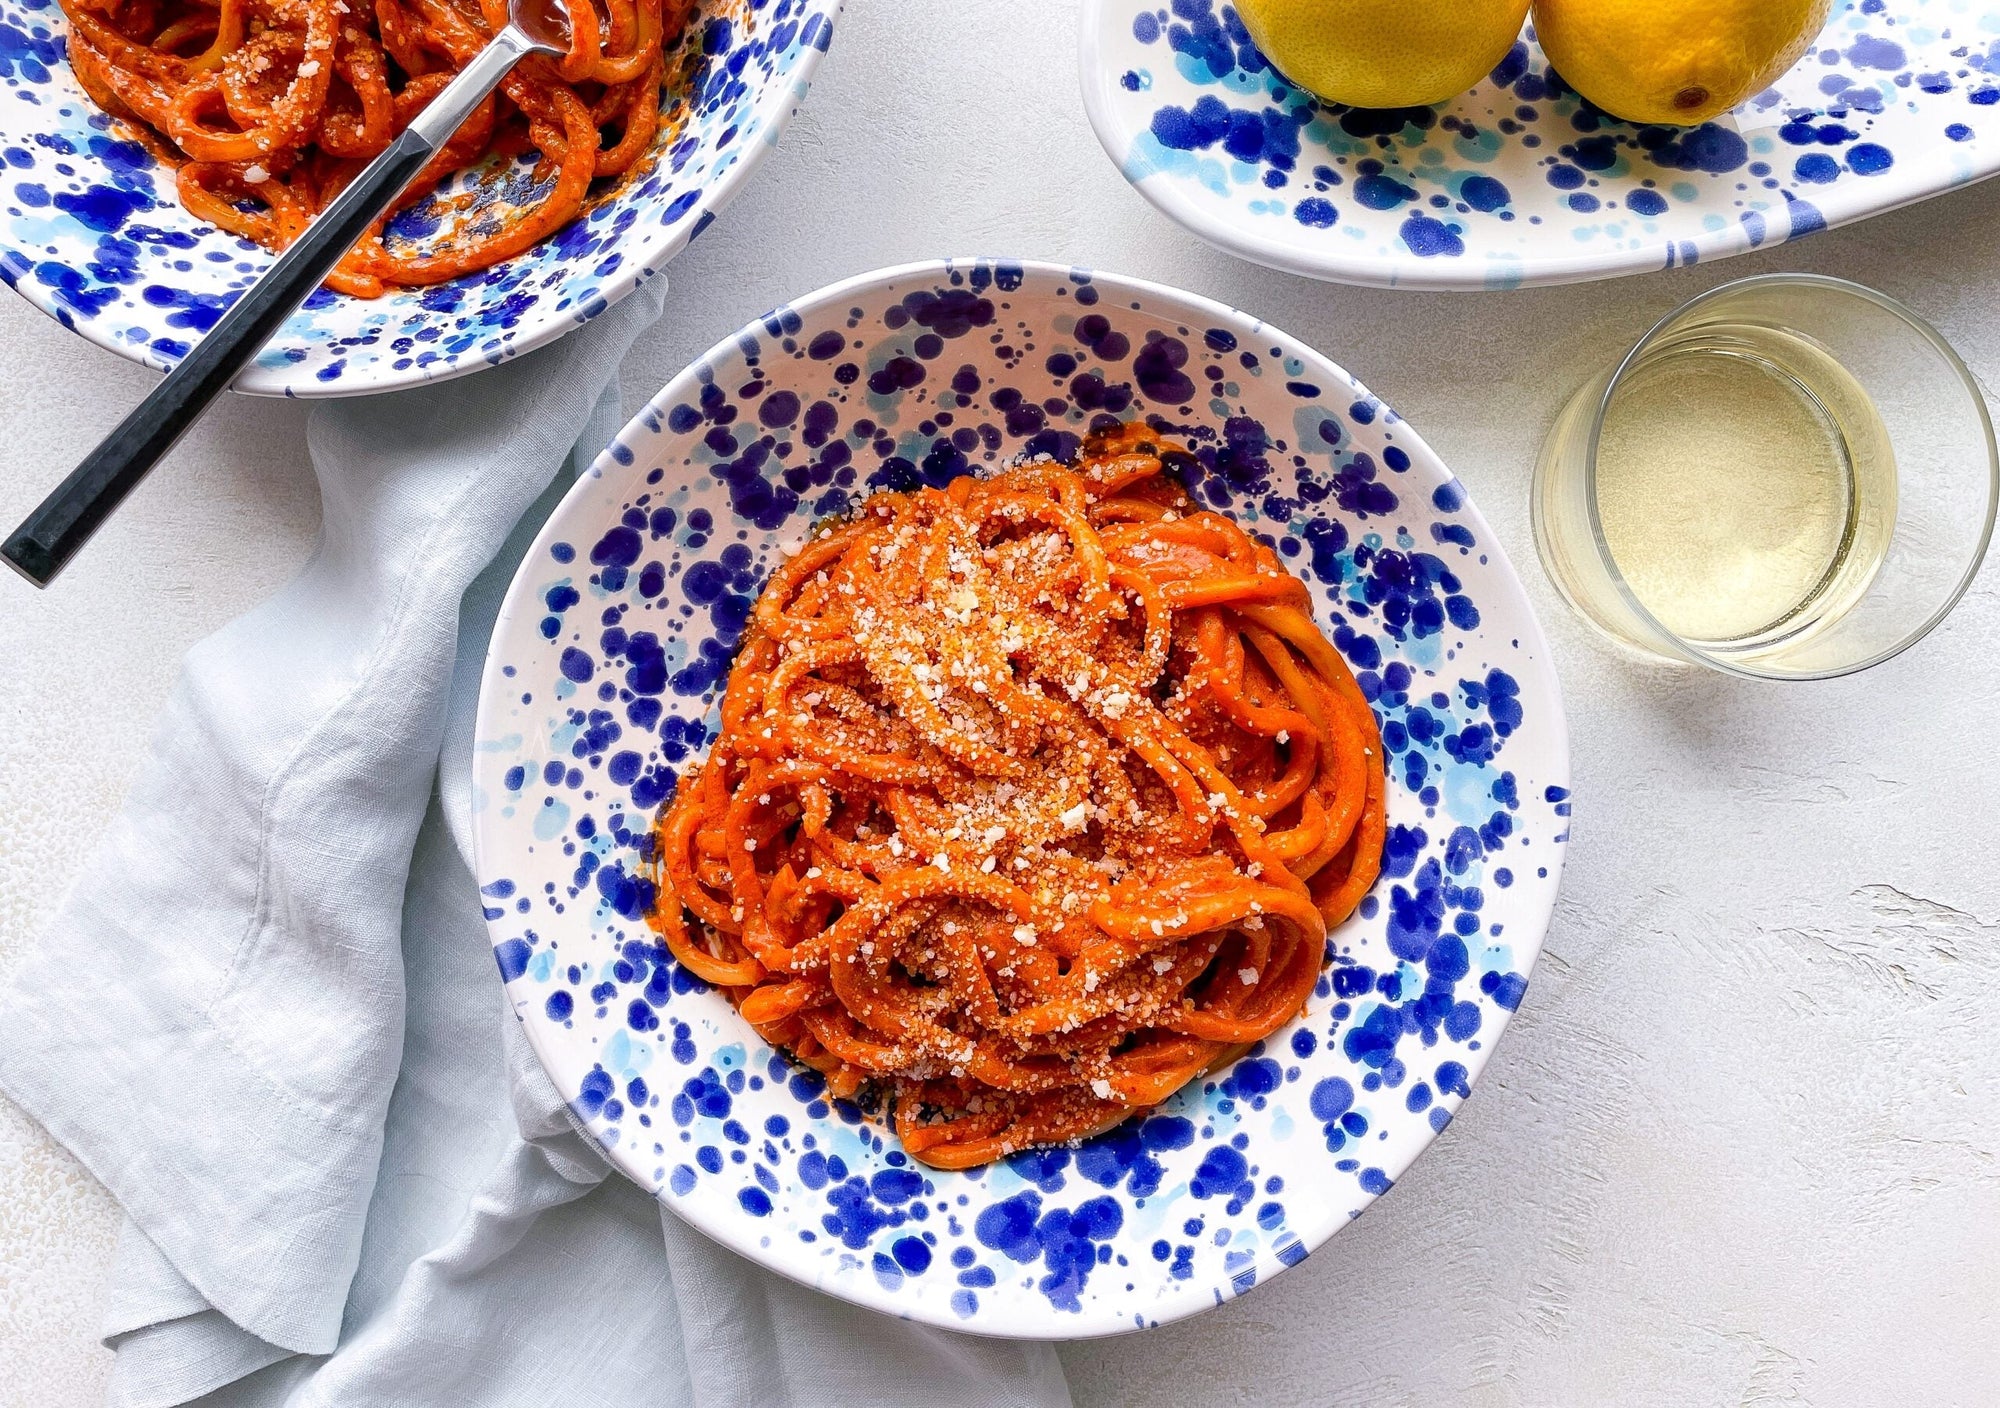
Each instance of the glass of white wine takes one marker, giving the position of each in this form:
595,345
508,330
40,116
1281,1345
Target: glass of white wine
1791,477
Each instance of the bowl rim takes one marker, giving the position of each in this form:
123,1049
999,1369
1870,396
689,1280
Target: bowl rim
775,107
1191,1297
1842,203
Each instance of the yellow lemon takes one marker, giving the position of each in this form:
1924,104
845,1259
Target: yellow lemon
1384,53
1675,61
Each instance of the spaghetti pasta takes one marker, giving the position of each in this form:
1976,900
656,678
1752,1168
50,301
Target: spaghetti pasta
267,108
1034,798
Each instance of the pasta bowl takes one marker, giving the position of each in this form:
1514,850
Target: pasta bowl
601,687
91,231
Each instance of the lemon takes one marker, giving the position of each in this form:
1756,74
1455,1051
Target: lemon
1384,53
1675,61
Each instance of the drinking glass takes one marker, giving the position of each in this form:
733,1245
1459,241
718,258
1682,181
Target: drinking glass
1790,477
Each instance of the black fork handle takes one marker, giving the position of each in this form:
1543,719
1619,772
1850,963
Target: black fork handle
51,535
44,543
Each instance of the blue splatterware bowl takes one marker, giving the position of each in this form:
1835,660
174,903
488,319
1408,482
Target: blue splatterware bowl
92,234
601,687
1520,181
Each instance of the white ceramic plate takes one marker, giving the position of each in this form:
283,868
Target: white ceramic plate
1519,181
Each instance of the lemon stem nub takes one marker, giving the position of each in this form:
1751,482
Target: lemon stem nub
1688,99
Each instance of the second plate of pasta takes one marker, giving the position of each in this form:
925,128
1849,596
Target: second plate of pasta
1224,1033
523,237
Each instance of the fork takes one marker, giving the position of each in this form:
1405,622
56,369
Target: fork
50,536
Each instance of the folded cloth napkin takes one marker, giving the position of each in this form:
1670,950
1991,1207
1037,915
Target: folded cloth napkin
267,1017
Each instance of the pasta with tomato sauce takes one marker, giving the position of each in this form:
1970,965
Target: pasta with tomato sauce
267,108
1034,798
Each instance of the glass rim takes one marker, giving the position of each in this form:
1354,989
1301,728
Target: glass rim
1825,284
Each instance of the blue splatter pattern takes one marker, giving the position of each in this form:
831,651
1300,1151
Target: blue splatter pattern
92,234
602,688
1521,180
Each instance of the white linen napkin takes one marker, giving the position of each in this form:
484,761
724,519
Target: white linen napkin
267,1017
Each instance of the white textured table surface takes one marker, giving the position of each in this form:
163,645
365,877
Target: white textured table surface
1742,1144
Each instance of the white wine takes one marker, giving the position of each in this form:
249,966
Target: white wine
1745,487
1790,477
